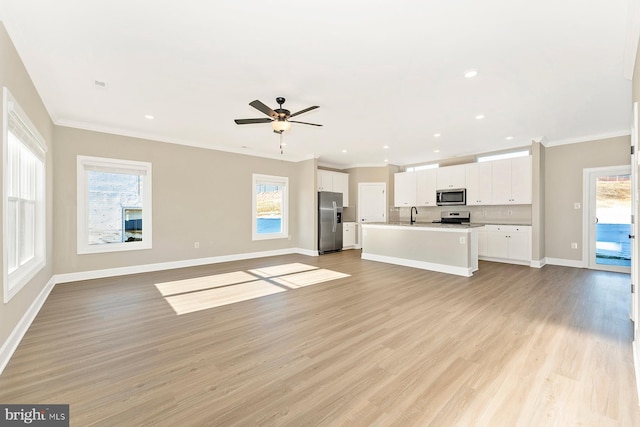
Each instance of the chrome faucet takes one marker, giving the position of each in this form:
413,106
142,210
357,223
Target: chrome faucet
412,209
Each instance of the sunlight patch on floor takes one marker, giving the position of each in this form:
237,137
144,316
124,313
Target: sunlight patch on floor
202,300
299,280
201,293
201,283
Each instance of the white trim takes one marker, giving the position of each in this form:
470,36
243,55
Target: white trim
631,43
587,138
282,181
636,364
88,163
565,262
177,141
538,263
441,268
505,260
146,268
11,344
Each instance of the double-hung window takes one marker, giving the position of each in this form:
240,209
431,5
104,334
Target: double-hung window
24,208
114,205
270,207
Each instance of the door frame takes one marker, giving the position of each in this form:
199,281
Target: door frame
588,224
386,203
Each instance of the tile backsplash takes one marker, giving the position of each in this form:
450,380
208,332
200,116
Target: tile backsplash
501,214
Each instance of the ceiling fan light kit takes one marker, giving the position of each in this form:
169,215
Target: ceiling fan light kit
279,117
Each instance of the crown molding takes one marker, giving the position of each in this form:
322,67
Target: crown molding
587,138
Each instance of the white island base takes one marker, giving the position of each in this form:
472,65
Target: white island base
443,248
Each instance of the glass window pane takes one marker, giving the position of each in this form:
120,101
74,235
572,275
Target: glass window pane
111,197
269,202
12,238
27,231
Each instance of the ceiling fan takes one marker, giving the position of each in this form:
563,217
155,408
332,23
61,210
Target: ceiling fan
279,117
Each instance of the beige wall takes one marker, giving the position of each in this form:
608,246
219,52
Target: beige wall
14,76
199,195
367,174
538,155
563,187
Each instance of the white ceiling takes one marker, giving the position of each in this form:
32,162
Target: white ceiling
382,72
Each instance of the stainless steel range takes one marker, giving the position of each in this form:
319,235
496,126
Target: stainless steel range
460,217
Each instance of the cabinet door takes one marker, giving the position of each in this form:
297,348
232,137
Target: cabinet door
348,234
325,181
426,187
451,177
497,243
520,244
341,185
521,180
482,242
501,182
478,183
404,187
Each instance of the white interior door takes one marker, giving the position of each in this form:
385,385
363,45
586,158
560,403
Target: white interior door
372,202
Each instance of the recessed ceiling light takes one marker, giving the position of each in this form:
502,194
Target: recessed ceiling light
480,117
436,151
283,143
149,116
437,135
385,146
509,138
344,151
386,160
471,73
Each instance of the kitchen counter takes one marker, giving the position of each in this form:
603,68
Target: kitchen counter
446,248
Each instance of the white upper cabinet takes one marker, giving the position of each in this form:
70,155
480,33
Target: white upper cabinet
404,187
451,177
478,178
512,181
426,187
336,182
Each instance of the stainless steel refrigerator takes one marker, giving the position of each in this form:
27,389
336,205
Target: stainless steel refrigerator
329,222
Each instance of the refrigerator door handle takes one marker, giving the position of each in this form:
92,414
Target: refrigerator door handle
335,216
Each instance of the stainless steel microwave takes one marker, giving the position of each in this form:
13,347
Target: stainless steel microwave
451,197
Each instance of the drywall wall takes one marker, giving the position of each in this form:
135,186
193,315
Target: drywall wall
14,76
563,177
199,195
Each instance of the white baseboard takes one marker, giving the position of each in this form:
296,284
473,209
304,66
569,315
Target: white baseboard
442,268
146,268
538,263
636,364
11,344
565,262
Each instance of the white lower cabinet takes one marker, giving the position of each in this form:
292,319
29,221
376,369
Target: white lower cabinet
348,235
507,242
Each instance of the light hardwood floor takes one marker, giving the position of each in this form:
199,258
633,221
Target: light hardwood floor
387,345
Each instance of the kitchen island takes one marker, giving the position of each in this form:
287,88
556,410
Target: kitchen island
446,248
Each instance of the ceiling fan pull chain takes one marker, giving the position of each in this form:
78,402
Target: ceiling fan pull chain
281,152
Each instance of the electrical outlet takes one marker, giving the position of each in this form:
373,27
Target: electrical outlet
576,205
196,245
574,245
463,240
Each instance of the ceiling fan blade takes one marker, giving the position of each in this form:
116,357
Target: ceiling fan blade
251,121
304,123
304,111
261,107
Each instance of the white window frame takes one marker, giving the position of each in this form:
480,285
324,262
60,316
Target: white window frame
87,163
276,180
31,139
